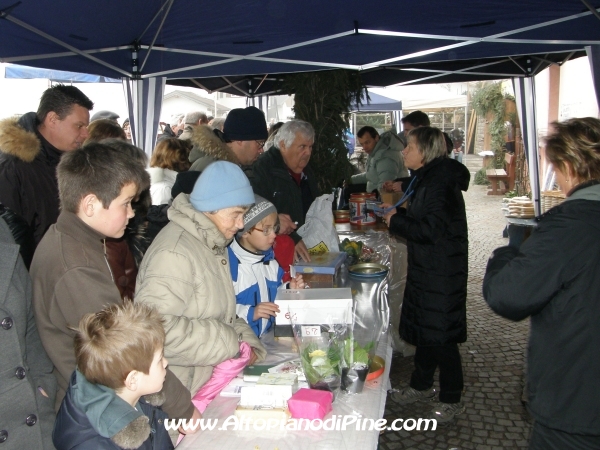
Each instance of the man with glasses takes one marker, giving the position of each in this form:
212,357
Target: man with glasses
241,142
255,272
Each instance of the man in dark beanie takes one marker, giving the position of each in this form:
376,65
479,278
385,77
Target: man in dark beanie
242,141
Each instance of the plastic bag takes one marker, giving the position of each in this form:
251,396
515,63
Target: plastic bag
318,231
321,348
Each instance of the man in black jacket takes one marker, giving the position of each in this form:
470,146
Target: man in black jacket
282,176
30,149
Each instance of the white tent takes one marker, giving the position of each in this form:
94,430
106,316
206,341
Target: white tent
423,97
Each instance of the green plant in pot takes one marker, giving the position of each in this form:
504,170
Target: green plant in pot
355,366
321,365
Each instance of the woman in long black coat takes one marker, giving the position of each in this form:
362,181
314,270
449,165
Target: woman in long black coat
434,224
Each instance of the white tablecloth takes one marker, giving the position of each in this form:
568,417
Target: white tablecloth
370,403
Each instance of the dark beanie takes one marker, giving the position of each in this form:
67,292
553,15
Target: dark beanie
184,182
245,124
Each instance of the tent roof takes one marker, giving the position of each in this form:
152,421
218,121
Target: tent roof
377,103
423,97
179,39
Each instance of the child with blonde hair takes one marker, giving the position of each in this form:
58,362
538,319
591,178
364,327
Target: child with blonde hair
114,394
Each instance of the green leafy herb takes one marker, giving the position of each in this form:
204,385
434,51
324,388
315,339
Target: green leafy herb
354,353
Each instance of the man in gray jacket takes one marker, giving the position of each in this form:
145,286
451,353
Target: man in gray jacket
385,161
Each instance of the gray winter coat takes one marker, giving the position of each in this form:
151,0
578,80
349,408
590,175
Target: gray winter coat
26,416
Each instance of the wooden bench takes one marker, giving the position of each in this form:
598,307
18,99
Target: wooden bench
506,176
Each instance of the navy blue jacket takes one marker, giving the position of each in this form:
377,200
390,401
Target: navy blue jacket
73,429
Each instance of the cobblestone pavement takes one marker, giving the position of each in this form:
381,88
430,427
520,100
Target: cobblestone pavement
492,359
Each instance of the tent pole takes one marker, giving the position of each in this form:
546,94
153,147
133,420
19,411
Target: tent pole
157,33
64,44
258,57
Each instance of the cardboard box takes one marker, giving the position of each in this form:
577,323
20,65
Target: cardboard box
312,307
321,271
390,197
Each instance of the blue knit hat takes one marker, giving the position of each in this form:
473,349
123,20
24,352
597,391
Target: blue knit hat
221,185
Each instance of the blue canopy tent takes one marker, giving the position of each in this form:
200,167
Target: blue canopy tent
430,41
60,76
378,103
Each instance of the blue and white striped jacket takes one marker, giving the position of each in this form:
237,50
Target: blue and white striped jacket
256,278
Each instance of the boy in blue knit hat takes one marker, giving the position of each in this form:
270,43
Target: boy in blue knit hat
255,272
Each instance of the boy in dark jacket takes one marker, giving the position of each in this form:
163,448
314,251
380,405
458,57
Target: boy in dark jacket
120,359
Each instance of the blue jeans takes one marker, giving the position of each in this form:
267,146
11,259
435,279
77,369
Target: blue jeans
457,156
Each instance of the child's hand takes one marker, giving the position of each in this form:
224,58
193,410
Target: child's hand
265,310
297,282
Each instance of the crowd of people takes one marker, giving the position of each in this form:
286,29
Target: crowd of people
126,282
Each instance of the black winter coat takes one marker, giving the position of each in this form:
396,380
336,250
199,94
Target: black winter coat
28,182
271,179
554,278
435,228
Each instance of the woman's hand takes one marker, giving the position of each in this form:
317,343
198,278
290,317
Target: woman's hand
397,186
388,217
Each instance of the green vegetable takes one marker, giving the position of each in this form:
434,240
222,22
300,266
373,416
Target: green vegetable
318,364
354,353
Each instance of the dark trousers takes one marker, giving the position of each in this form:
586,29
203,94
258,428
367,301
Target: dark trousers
447,357
544,438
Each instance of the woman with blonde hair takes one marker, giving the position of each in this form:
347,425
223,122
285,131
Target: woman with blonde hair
434,312
553,278
170,157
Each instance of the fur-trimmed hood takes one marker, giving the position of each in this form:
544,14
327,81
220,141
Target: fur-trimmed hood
18,137
109,417
207,145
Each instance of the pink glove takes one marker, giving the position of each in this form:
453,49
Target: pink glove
222,375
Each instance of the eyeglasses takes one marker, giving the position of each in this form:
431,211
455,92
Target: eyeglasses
268,230
261,144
